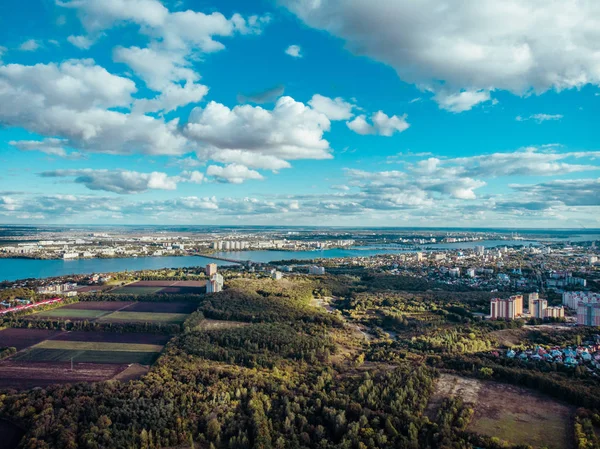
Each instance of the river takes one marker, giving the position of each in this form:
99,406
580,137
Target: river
13,269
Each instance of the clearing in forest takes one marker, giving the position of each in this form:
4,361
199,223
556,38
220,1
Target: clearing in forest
511,413
211,325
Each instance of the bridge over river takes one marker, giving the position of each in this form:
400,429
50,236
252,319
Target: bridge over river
224,259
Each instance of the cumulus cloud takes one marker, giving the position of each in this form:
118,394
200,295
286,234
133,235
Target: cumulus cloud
409,188
193,176
50,146
462,101
30,45
530,161
291,130
71,101
294,51
125,181
118,181
232,173
575,192
172,97
333,108
382,124
176,39
81,42
539,118
246,158
74,84
475,47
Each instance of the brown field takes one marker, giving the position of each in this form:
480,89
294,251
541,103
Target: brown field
98,305
513,414
23,338
24,375
113,337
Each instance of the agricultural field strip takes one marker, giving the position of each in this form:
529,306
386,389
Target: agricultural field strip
91,313
97,346
145,316
103,357
72,313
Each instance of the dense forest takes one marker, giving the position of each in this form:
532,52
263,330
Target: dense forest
288,373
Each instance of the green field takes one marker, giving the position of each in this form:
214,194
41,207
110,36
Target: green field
97,346
66,355
71,313
136,290
147,317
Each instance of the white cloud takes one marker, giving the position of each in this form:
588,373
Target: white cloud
125,181
30,45
119,181
50,146
383,125
81,42
98,15
247,158
539,118
172,97
294,51
529,161
193,176
341,187
334,109
74,84
232,173
176,40
157,67
475,46
69,101
291,130
572,192
461,101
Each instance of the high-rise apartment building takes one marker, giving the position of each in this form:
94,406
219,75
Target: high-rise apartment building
211,269
507,308
531,298
539,308
215,284
572,299
555,312
588,314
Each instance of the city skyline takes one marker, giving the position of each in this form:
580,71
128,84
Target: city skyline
297,113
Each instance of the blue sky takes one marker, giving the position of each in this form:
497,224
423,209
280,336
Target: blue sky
389,113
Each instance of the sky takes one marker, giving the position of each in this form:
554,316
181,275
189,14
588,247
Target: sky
300,112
